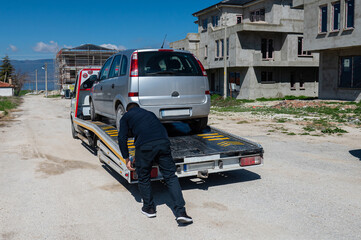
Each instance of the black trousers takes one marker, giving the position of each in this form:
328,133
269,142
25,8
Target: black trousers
158,151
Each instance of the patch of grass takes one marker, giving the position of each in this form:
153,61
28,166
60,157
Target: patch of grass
8,103
291,133
281,120
271,130
54,96
309,129
333,130
306,133
242,122
23,92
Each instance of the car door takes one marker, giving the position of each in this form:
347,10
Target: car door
100,88
110,87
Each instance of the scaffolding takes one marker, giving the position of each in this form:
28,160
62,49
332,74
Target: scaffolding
71,60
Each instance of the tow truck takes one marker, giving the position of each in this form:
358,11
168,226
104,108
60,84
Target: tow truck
195,154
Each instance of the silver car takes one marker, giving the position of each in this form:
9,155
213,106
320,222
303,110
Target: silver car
170,83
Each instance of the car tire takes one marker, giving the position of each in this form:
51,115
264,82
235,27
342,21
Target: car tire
197,125
119,114
73,132
93,115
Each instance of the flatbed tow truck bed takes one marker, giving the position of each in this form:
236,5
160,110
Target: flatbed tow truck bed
198,155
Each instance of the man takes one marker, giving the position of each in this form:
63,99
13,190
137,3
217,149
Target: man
151,145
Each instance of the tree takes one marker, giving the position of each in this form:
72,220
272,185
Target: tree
18,80
6,69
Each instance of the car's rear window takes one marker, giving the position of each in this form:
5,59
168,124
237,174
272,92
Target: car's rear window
167,64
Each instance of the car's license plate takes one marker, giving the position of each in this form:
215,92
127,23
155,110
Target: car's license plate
202,159
175,112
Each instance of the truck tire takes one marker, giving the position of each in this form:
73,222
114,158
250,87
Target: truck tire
119,114
73,132
197,125
93,115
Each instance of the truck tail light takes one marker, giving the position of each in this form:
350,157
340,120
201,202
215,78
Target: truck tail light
133,94
201,66
153,174
134,65
207,92
249,161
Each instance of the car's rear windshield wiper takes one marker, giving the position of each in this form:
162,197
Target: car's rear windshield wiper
162,72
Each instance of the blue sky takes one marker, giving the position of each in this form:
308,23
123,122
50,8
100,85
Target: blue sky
37,29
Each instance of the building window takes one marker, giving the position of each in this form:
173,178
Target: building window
258,15
239,19
267,48
205,51
222,48
336,16
323,19
205,24
215,21
227,47
217,49
350,13
350,72
301,52
266,77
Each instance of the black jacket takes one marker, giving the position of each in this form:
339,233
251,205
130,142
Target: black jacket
143,125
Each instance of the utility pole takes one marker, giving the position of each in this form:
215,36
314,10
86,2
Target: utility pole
36,81
225,57
46,80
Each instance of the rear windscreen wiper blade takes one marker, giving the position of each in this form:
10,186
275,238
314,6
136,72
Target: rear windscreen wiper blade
161,72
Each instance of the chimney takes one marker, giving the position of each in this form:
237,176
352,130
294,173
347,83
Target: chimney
10,81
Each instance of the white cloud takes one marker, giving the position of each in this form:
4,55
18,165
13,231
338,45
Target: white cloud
112,46
13,48
52,47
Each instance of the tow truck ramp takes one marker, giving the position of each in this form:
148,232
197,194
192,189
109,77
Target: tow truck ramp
201,154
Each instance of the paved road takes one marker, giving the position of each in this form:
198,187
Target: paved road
53,187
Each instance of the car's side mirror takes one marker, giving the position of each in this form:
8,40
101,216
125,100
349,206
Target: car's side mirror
93,78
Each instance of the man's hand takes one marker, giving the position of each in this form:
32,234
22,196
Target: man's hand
129,164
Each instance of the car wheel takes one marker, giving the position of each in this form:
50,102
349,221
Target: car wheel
119,114
73,132
197,125
93,115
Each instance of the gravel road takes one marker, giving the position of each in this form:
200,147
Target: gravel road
53,187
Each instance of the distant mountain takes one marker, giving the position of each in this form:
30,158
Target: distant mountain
29,67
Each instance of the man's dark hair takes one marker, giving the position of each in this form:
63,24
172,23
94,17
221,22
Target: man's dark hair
131,105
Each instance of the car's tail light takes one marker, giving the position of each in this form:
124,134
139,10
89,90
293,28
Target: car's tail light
248,161
133,94
134,65
208,93
165,50
201,66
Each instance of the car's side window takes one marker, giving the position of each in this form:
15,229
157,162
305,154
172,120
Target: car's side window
114,70
105,70
124,66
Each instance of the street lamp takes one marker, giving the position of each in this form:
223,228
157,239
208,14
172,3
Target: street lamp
45,67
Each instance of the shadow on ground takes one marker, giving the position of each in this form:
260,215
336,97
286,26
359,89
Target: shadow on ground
356,153
160,192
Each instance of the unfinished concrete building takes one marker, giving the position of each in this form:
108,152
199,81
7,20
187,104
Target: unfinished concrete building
70,60
262,44
333,28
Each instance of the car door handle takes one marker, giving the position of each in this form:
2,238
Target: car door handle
101,88
113,85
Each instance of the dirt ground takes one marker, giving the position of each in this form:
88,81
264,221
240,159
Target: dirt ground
54,187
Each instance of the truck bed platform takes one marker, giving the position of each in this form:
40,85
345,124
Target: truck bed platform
213,150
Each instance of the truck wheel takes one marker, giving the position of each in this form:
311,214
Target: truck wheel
93,115
197,125
120,113
73,132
